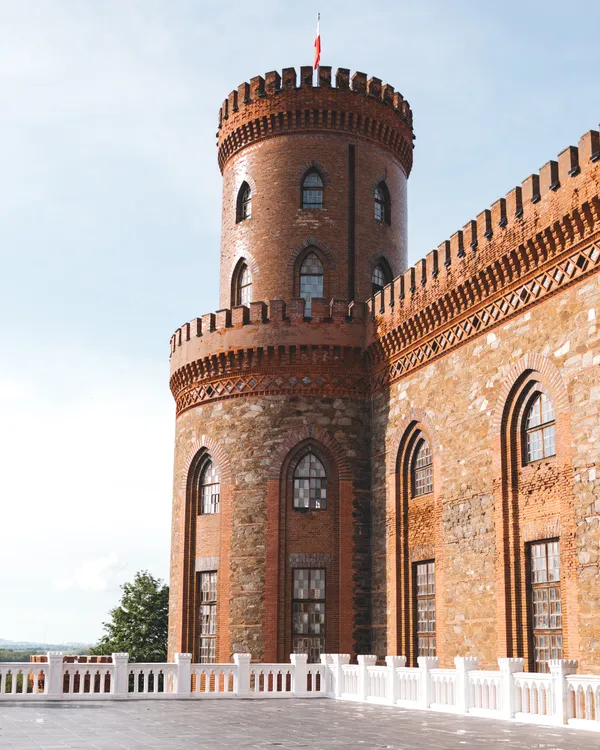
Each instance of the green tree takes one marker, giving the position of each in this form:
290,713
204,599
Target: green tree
139,624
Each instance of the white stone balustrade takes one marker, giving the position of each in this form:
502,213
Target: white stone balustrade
558,697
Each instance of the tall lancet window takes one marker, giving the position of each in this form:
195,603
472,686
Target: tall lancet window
244,203
243,295
310,483
311,280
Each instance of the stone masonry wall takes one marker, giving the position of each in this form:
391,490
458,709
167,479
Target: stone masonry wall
458,397
246,435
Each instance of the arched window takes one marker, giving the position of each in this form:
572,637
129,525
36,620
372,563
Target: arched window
312,190
540,429
382,204
422,469
311,280
243,285
380,277
310,483
210,488
244,203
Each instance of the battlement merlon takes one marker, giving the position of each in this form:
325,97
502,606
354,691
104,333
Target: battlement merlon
267,325
548,212
280,104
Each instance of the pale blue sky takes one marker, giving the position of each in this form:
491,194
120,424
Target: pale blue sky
109,229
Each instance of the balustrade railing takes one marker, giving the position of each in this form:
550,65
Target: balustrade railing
558,697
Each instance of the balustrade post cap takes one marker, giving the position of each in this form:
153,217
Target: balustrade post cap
395,661
298,658
237,658
340,658
179,658
368,659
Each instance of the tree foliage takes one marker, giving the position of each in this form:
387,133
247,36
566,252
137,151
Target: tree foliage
139,624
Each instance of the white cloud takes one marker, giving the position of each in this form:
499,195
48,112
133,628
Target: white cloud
94,575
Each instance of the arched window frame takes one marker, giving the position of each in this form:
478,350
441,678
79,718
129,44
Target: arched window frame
298,292
386,272
309,487
544,430
421,468
312,196
243,208
382,204
241,294
209,494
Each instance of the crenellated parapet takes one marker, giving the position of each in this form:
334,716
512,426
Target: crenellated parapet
280,104
527,245
270,348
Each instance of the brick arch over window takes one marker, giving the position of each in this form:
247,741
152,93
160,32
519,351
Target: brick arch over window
547,374
418,535
245,177
310,166
319,435
532,502
245,255
218,454
309,539
377,258
312,242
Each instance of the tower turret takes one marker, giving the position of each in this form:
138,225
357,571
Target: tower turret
271,521
321,167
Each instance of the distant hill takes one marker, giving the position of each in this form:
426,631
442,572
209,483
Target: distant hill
43,647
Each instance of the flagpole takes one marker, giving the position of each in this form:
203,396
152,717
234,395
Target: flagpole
319,65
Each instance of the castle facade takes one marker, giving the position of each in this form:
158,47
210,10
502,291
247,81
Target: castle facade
374,459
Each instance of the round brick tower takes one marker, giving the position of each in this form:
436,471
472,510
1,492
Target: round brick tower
271,515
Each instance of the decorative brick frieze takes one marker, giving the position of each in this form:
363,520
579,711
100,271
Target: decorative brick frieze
329,381
501,307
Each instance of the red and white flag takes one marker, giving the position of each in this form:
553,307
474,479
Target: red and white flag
318,44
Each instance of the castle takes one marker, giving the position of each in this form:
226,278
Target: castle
375,459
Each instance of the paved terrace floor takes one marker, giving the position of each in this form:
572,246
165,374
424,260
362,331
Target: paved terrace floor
289,724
